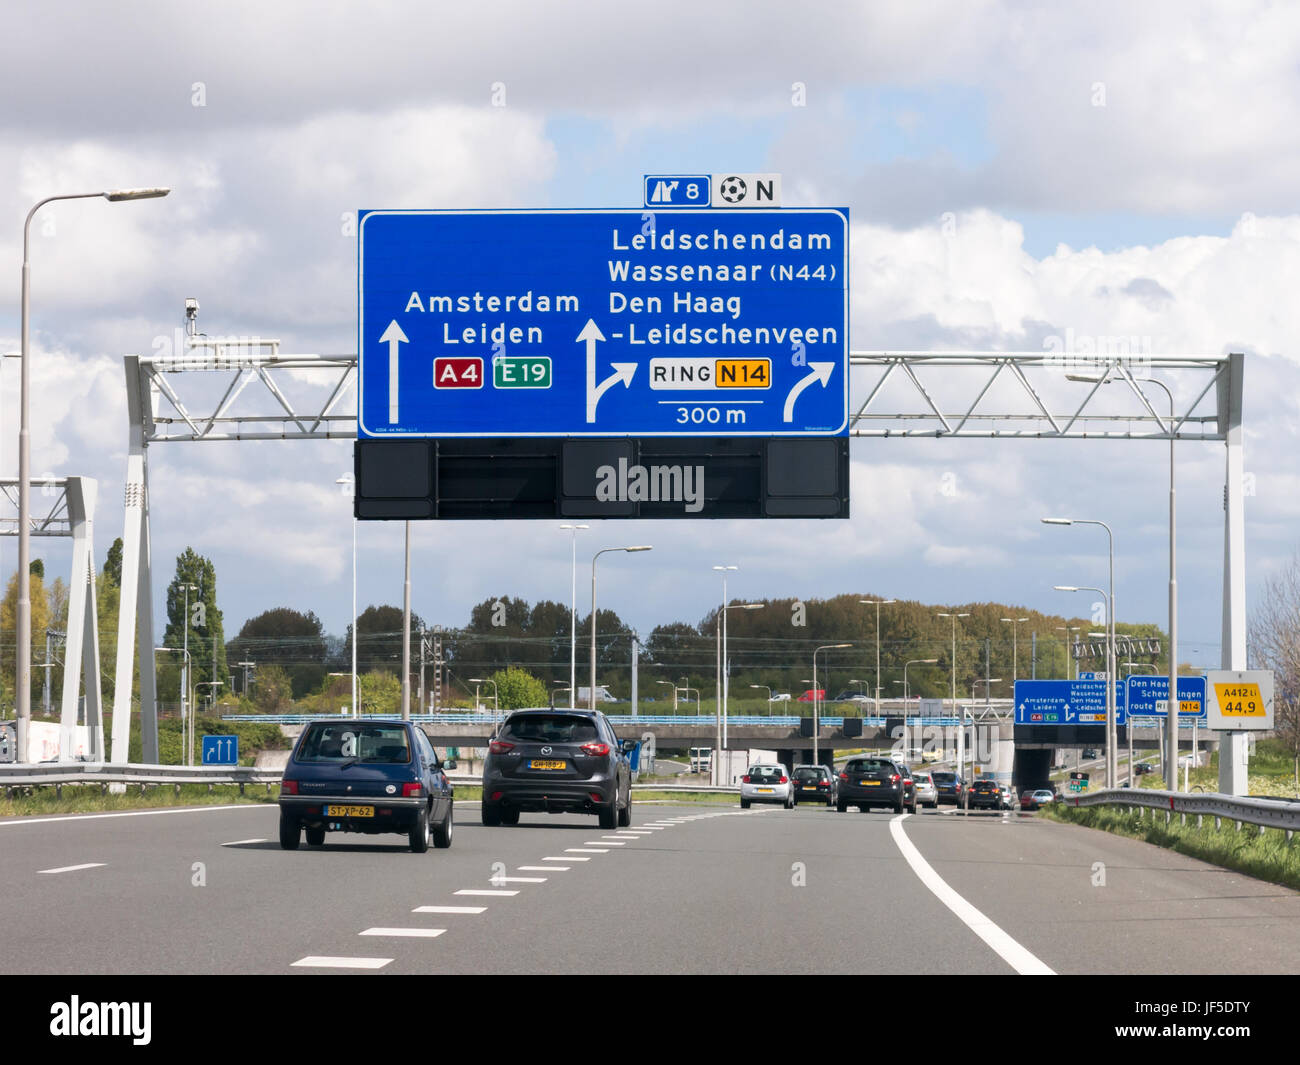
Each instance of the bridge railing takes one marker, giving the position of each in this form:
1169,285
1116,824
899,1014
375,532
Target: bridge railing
1266,813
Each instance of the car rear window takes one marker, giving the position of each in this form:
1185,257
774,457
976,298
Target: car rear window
353,742
921,778
809,774
766,772
945,778
870,765
551,728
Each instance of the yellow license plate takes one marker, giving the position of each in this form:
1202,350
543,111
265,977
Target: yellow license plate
541,763
870,783
349,811
765,791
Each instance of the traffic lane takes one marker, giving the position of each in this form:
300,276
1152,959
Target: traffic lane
244,908
1086,901
762,891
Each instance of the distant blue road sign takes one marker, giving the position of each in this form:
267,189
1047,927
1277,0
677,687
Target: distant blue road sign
613,323
221,750
1148,696
1065,702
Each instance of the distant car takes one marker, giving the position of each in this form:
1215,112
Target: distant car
557,761
1089,754
867,782
948,786
766,783
819,695
926,793
852,697
781,697
1143,767
814,783
1032,800
374,776
1008,797
985,795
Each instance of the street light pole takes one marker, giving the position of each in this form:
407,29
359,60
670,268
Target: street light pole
573,613
961,738
879,603
1112,726
817,697
23,613
906,702
769,696
591,701
1015,629
1112,778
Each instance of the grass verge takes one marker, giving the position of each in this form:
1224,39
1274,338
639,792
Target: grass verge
86,799
1267,856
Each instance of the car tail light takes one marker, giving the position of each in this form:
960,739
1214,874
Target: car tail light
908,780
500,747
496,796
596,750
783,780
745,779
412,790
595,796
288,787
844,776
893,778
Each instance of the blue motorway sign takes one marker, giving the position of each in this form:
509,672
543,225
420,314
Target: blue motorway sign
603,323
221,750
678,190
1065,702
1148,696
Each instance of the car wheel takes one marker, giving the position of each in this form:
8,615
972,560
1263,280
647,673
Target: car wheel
315,837
491,815
510,817
290,833
830,803
789,803
442,832
842,807
744,804
418,836
625,814
912,809
609,814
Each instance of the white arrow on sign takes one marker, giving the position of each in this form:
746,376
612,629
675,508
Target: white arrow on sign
393,336
623,371
821,371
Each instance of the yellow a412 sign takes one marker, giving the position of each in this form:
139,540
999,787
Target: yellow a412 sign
1238,700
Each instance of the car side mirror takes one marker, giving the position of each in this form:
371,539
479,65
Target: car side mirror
627,746
449,764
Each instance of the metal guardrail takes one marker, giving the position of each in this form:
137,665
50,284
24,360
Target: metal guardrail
60,773
454,717
1266,813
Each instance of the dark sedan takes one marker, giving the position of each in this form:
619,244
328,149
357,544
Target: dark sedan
557,761
815,783
948,787
868,782
984,795
371,777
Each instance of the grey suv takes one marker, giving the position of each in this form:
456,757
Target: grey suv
557,761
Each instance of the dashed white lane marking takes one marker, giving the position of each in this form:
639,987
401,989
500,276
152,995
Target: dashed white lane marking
637,834
571,858
1006,948
132,813
544,868
450,909
584,850
422,933
519,880
316,961
486,891
611,839
607,843
73,868
241,842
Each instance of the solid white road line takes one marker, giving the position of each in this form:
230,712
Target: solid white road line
316,961
73,868
450,909
484,891
1006,948
544,868
132,813
422,933
241,842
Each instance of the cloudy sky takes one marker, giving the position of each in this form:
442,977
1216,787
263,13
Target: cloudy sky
1015,172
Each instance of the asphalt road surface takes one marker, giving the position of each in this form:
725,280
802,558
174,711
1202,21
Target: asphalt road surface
689,888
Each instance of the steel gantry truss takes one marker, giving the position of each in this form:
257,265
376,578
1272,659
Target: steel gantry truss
961,394
68,508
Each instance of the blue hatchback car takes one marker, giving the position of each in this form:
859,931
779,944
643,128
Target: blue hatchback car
370,776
